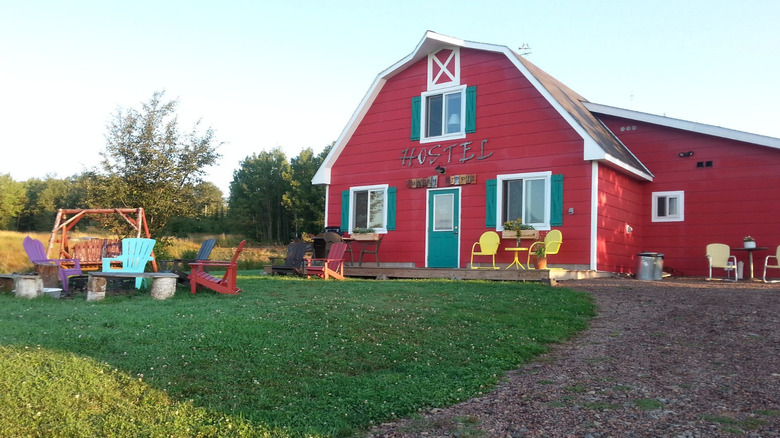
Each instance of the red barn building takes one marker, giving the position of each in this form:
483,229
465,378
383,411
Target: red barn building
459,137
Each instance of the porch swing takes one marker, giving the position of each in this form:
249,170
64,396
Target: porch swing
91,252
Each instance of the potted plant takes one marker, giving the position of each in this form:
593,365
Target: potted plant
749,242
541,256
364,234
516,229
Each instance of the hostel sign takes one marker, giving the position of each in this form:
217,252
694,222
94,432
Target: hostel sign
431,155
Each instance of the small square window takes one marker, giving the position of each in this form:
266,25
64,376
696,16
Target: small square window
668,206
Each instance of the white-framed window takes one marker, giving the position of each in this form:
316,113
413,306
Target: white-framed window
443,114
526,196
669,206
368,208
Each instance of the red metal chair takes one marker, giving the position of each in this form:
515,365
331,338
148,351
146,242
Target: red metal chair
224,285
37,254
332,267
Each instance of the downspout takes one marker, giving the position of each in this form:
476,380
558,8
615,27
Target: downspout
327,198
594,215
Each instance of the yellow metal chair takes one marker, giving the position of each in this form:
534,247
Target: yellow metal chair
552,244
775,266
488,246
719,256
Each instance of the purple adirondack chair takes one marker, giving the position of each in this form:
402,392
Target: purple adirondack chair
37,254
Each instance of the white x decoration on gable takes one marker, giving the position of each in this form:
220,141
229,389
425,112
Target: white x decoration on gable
444,68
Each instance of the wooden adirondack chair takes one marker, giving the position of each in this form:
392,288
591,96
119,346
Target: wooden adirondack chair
294,262
177,265
332,267
35,250
136,253
226,284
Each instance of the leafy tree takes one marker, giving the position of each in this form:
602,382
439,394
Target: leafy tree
256,193
12,200
45,197
148,162
210,218
305,203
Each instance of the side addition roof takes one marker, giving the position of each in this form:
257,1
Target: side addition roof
685,125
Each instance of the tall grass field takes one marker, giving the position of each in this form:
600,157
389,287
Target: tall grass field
285,358
14,259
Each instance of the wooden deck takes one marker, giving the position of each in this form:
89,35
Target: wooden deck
547,276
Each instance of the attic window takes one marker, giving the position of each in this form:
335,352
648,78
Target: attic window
444,68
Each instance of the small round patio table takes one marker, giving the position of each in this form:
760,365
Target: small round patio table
516,263
750,256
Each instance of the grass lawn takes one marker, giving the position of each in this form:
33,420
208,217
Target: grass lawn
287,357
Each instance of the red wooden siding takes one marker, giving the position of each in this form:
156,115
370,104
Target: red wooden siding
523,132
619,205
736,197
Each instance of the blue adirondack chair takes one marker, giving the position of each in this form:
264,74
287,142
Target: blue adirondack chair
136,253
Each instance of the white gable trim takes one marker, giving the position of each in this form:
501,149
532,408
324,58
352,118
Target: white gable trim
685,125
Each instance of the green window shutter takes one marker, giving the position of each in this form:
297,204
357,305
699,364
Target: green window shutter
490,203
471,109
345,210
416,104
391,191
556,200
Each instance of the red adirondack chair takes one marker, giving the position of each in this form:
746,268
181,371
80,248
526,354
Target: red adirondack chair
331,267
224,285
37,254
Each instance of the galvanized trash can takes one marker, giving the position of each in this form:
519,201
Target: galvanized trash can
650,266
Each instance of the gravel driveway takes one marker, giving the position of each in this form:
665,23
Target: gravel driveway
671,358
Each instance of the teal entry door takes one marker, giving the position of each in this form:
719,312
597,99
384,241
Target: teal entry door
443,226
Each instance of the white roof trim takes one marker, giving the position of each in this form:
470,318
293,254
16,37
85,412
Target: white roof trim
685,125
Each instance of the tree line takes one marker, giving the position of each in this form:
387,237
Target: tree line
150,162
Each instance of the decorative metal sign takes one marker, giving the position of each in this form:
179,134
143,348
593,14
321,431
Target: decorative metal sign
416,183
431,155
461,180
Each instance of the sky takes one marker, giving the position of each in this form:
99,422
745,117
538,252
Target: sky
290,74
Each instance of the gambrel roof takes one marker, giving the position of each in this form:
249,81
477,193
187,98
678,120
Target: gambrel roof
599,143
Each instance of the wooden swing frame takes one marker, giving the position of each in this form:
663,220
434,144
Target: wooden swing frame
67,218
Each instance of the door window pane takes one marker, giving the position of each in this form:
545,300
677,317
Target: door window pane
443,217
